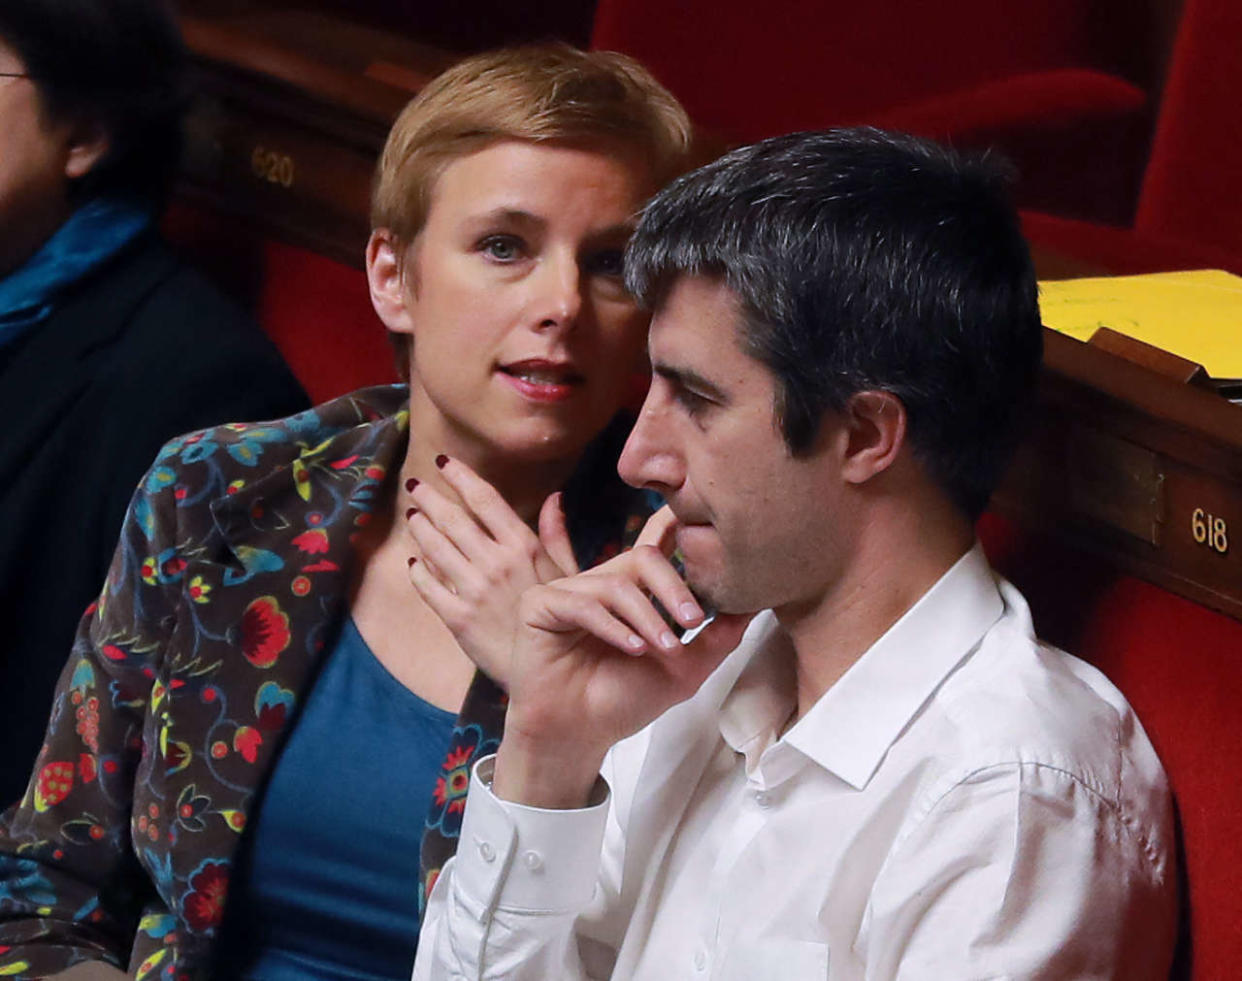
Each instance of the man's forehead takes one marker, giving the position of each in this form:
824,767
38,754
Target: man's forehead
697,316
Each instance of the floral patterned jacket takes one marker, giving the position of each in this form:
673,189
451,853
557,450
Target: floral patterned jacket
228,580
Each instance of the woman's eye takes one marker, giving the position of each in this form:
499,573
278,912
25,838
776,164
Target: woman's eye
609,262
502,248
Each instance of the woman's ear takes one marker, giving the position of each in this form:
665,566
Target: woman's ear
386,277
875,424
88,144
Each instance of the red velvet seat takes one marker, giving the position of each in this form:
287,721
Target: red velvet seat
1180,666
1043,81
1190,205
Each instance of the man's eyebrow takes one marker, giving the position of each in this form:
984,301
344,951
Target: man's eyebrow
691,380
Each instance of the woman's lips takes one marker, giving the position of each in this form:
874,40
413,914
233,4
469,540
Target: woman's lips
542,381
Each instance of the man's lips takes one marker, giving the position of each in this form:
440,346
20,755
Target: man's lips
541,380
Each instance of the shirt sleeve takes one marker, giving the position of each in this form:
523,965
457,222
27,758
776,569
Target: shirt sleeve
1021,871
506,905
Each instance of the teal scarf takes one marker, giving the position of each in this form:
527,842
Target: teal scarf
90,237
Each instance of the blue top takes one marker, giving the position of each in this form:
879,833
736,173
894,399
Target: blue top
327,886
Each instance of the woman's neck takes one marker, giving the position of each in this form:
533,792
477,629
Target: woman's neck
524,482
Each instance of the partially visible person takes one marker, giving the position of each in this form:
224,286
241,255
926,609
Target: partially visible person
109,345
262,731
890,777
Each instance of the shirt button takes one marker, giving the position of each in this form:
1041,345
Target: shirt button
700,960
487,852
762,799
533,861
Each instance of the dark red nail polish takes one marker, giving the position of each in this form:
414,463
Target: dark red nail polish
441,460
411,483
410,512
411,561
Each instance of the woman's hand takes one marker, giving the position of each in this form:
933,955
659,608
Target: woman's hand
475,559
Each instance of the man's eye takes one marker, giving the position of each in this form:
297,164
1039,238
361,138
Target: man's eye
502,248
692,402
609,262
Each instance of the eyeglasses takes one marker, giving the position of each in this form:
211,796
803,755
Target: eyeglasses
14,74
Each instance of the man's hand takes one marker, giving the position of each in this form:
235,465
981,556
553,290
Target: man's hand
475,559
594,662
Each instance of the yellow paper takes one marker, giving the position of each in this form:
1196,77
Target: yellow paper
1197,315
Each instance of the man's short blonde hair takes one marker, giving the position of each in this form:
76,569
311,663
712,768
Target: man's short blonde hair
549,93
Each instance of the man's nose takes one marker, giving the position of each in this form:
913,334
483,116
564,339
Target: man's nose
650,458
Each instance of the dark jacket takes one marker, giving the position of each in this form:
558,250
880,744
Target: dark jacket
141,351
228,582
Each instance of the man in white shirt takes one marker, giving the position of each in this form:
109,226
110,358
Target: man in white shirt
889,776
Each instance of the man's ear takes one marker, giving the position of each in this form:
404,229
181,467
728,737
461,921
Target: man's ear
88,143
386,278
875,426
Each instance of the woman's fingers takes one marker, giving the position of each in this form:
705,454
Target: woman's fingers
485,504
441,598
554,536
459,529
448,564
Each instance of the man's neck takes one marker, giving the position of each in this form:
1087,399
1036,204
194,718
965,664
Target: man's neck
893,567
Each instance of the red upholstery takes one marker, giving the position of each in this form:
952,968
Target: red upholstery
1124,250
1180,666
975,72
1190,189
317,311
1190,207
320,316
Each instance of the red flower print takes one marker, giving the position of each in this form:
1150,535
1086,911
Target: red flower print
314,541
247,740
265,631
204,902
272,717
87,768
449,793
54,782
88,723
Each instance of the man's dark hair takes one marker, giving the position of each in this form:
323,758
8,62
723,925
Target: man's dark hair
866,260
115,63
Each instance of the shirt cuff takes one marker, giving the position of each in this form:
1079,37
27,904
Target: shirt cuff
528,859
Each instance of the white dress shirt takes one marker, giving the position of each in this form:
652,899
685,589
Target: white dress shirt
964,803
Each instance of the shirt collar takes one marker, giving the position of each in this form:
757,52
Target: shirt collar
761,700
850,729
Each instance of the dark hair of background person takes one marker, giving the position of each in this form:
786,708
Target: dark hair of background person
115,63
866,260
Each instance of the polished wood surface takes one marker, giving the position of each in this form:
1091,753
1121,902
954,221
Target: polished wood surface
1135,465
289,114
